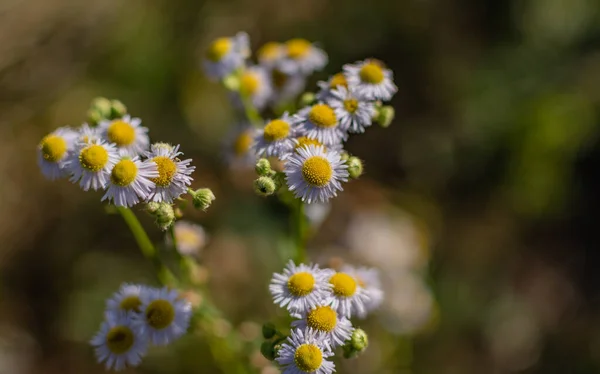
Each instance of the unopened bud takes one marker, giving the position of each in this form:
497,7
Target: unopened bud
152,207
355,167
264,186
307,99
165,216
386,116
202,198
359,341
269,330
102,106
231,82
117,109
94,117
263,167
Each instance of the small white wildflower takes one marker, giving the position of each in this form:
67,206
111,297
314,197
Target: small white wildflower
302,57
127,134
90,164
371,80
130,181
87,133
276,139
353,112
190,237
254,87
225,55
326,322
349,298
368,279
173,174
53,152
270,53
128,298
321,122
237,147
305,352
335,81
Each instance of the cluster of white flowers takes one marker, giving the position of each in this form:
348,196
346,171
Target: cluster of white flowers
137,316
116,156
323,301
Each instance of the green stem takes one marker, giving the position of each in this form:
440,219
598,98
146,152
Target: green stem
299,230
252,114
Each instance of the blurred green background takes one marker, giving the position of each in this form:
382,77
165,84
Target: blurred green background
479,204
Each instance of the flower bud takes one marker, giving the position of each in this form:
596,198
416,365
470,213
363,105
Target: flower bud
307,99
94,117
386,116
165,216
267,350
152,207
117,109
269,330
264,186
355,167
202,198
359,341
102,106
263,167
231,82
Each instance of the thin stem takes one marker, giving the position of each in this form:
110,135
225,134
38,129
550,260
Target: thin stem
299,230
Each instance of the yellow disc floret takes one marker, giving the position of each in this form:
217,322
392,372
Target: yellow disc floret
305,141
343,285
218,49
301,284
53,148
242,143
322,318
351,105
322,115
121,133
308,358
269,51
166,171
371,73
276,130
93,158
123,173
131,303
160,314
249,84
298,48
119,339
338,80
317,171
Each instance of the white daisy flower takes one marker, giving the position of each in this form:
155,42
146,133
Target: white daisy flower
368,279
118,343
320,122
286,87
254,87
173,174
237,146
326,322
130,181
190,237
305,352
314,174
304,141
335,81
164,316
270,53
302,57
353,112
53,152
301,287
90,164
87,133
128,298
276,139
371,80
127,134
225,55
348,296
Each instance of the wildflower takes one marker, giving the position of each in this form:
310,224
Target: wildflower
300,287
326,322
164,316
367,279
371,80
238,146
276,138
173,174
286,86
353,112
190,237
269,54
314,174
305,352
88,134
225,55
130,181
321,122
302,57
127,134
334,82
254,87
90,164
118,343
128,298
53,152
348,296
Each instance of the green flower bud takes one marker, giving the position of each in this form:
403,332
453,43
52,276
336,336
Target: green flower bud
264,186
269,330
355,167
386,116
103,106
231,82
359,341
268,351
307,99
94,117
152,207
263,167
117,109
165,216
202,198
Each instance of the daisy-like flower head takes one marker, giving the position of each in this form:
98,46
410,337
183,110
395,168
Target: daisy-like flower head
368,279
270,53
348,296
53,152
130,181
286,87
90,164
299,288
127,134
335,81
314,174
128,298
190,237
371,80
237,146
164,316
305,352
255,87
326,322
87,133
276,139
224,55
302,57
173,174
353,112
320,122
118,343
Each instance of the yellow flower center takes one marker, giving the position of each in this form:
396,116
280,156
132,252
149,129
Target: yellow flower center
343,284
338,80
276,130
298,48
242,143
308,358
188,236
123,173
317,171
160,314
371,73
119,339
269,51
279,78
166,171
323,116
322,318
351,105
53,148
249,84
301,284
218,49
304,141
121,133
93,157
131,303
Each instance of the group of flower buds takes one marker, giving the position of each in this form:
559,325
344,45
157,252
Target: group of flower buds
103,108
